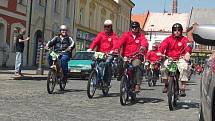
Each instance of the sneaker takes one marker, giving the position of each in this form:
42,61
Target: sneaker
182,93
18,75
21,74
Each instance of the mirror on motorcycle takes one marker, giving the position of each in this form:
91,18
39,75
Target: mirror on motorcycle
204,34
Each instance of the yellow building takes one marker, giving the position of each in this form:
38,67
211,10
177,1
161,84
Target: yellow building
91,14
124,15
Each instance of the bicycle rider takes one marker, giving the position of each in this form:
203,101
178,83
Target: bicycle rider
153,58
104,42
176,46
132,42
62,43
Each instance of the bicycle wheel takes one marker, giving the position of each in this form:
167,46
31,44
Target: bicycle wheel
62,82
123,90
91,85
154,79
150,78
105,88
171,94
51,81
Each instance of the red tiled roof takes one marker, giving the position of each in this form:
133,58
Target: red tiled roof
164,21
141,18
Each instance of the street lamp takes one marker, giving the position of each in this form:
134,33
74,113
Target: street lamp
40,68
151,32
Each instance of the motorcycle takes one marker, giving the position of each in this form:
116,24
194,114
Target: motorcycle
152,72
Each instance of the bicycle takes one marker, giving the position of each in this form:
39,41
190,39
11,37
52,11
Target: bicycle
99,78
173,85
55,74
151,69
127,84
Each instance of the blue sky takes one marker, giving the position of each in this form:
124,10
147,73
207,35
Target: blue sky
184,6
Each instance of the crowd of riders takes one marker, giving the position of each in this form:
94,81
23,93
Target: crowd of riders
176,46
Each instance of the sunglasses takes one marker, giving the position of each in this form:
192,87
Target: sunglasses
107,26
177,29
134,27
63,30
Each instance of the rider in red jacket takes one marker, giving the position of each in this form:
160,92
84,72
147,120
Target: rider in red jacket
132,42
153,58
104,42
177,47
152,54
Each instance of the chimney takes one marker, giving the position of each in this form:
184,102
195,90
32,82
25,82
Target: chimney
174,6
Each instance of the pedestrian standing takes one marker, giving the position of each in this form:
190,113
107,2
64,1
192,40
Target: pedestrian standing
19,52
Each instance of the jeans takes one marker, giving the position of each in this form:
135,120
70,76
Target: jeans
18,62
64,59
105,69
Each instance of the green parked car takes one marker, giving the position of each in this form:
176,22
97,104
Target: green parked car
80,64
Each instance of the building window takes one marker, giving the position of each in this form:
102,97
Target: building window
56,6
209,47
42,2
22,2
68,8
81,17
196,46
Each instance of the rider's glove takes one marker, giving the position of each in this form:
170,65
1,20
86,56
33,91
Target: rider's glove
111,52
89,50
187,56
159,54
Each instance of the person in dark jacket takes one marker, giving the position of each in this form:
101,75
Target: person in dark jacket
64,44
19,52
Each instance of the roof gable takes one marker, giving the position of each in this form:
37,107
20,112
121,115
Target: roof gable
164,21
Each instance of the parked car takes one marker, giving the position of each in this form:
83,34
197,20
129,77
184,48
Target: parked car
80,64
205,34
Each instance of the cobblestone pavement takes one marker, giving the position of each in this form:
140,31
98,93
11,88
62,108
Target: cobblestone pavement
28,100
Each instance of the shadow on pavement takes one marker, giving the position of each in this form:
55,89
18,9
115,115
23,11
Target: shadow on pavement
147,89
30,78
68,90
148,100
187,105
144,100
109,95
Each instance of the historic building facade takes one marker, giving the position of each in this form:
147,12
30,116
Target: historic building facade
91,14
13,16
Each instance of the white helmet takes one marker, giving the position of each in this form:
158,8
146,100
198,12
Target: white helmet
63,27
108,22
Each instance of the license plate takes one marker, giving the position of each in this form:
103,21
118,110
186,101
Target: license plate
75,70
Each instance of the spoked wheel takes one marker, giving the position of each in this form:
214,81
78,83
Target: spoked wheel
133,97
105,89
51,81
150,80
62,82
123,91
91,85
154,80
171,94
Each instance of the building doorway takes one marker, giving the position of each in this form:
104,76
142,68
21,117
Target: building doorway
36,46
